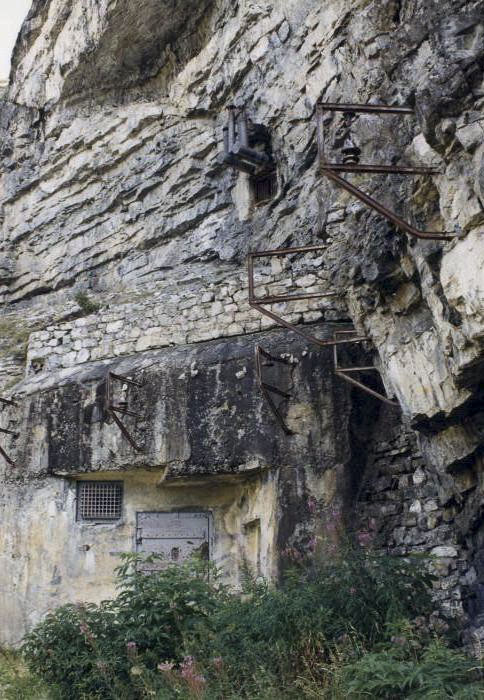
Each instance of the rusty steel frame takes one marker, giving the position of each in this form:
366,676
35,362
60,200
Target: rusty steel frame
267,389
7,402
342,372
256,302
113,409
329,169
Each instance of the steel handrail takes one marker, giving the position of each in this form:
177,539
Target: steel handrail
381,209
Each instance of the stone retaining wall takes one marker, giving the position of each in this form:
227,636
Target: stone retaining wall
173,319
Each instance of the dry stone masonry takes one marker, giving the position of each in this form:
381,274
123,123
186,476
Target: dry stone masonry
124,239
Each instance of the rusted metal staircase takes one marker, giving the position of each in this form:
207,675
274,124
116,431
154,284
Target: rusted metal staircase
340,337
350,164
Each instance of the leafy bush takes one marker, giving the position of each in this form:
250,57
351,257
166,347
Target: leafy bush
347,603
439,673
359,626
89,651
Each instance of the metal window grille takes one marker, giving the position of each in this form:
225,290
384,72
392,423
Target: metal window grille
265,187
99,500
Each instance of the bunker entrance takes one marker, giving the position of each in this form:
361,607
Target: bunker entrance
173,536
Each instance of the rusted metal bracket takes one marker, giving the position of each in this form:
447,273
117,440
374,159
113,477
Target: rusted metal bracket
257,302
351,164
268,389
122,408
343,337
237,152
345,372
7,402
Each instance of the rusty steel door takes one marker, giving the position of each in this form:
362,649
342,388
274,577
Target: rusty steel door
175,536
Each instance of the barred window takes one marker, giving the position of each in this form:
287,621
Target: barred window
264,187
99,500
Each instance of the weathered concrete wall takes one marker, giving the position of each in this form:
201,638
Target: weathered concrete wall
199,407
52,559
112,188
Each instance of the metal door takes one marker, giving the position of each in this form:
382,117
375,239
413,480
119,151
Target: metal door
175,536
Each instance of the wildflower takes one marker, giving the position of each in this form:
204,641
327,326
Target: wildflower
352,590
191,675
165,666
136,671
187,667
364,538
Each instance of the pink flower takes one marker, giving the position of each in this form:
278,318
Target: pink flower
364,538
187,668
165,666
190,674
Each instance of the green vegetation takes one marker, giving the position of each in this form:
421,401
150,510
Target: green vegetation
86,304
16,683
14,337
360,626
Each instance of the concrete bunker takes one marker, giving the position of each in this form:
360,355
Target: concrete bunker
229,522
213,476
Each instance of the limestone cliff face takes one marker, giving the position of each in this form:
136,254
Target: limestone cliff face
114,194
